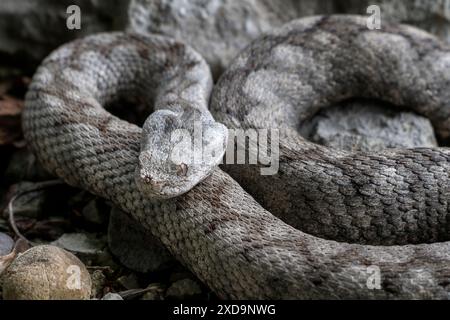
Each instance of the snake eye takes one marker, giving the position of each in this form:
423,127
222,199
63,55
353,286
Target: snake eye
147,179
182,169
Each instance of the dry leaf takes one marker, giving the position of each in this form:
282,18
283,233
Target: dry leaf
19,247
10,111
5,261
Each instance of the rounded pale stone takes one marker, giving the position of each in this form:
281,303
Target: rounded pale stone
46,273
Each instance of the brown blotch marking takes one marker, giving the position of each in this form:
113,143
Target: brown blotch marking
210,228
143,52
104,122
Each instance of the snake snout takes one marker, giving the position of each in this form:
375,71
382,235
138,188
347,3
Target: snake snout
153,186
160,179
148,181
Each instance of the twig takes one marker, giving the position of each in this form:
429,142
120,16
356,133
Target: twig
40,186
133,293
107,268
19,247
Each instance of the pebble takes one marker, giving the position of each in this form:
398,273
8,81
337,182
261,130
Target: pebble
112,296
86,246
6,244
94,212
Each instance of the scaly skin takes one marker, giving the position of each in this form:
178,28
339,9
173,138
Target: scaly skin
217,229
280,80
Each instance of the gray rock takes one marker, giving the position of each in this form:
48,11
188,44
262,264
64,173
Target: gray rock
433,16
112,296
93,209
30,29
6,244
85,246
218,29
369,126
132,244
95,212
183,289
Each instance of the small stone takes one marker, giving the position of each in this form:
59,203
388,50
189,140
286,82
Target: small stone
95,212
80,243
6,244
183,289
112,296
46,273
86,246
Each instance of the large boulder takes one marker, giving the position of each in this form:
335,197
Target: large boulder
218,29
369,126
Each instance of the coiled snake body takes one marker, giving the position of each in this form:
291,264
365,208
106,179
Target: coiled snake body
238,248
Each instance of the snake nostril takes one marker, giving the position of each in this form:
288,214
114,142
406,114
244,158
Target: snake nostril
147,179
154,184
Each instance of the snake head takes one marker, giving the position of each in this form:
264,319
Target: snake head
178,150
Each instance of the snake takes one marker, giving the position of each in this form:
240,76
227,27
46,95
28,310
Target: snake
329,224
